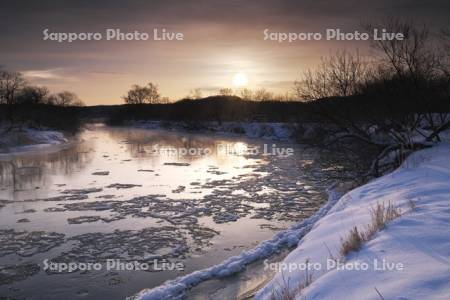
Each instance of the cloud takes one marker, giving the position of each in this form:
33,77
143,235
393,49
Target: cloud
48,75
278,84
42,74
98,72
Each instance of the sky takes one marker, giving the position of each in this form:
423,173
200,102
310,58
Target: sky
220,39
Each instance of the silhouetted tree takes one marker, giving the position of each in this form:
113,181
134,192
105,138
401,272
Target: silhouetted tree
262,95
195,94
225,92
338,75
11,84
143,94
247,94
65,98
164,100
398,92
33,95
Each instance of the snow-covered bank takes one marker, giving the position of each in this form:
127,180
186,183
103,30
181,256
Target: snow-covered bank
415,248
272,131
25,139
176,289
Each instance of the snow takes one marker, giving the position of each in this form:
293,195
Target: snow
418,240
175,289
271,131
29,139
409,259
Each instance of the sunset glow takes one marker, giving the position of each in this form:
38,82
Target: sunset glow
240,80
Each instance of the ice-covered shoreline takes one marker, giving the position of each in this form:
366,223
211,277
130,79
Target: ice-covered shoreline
176,289
418,240
261,130
411,253
29,139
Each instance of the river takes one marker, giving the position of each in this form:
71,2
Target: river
177,201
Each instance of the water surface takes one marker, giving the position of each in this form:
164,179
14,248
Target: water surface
123,193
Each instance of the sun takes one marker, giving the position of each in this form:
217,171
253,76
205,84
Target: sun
240,80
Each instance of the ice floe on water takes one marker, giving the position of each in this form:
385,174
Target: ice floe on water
105,201
26,244
176,289
101,173
12,273
123,186
177,164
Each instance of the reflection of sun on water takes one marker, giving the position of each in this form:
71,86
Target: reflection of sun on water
240,147
240,80
232,149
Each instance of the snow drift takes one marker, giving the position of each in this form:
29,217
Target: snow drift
23,139
270,131
419,239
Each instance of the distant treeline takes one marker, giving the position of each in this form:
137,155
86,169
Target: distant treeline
231,108
214,108
22,104
66,118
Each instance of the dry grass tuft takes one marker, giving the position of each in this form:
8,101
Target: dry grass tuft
353,242
286,293
380,216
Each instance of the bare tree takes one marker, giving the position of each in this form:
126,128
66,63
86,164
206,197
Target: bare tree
65,98
445,52
11,84
339,75
143,94
263,95
195,94
33,95
287,96
411,58
164,100
247,94
400,88
420,71
225,92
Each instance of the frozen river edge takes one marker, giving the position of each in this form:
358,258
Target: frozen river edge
409,259
176,289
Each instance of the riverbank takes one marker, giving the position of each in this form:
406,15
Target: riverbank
20,139
261,130
408,259
176,289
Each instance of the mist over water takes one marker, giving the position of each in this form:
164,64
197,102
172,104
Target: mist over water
121,193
